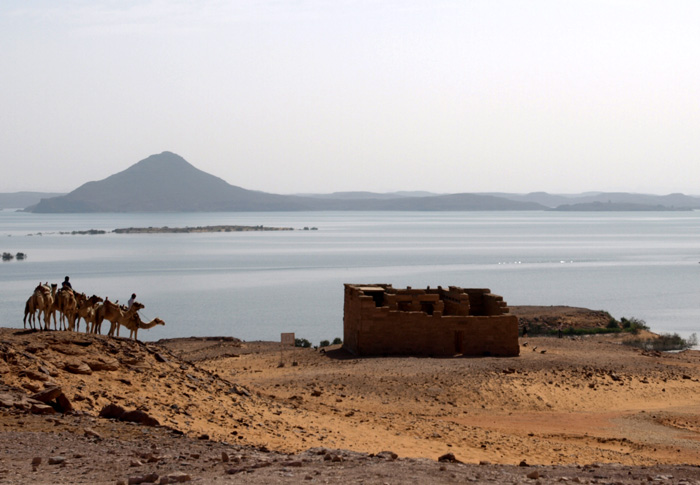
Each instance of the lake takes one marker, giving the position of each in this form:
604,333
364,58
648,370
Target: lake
255,285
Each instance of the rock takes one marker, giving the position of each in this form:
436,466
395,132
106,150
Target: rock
523,463
66,349
36,461
36,347
387,455
159,357
103,363
534,475
91,433
31,387
240,391
36,376
151,458
49,371
64,404
48,394
224,457
176,477
7,400
449,458
140,417
112,411
150,478
41,409
75,368
57,460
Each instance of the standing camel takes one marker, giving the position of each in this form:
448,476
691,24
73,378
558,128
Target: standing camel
67,307
114,313
86,310
43,302
134,323
30,310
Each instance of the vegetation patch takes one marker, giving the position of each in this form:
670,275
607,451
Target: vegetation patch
664,342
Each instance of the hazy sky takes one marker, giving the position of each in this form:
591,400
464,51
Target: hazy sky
330,95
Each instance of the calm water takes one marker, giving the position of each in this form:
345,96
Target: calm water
255,285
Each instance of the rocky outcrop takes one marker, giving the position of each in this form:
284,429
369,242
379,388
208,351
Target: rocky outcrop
114,411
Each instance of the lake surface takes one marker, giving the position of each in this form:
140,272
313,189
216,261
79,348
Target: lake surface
255,285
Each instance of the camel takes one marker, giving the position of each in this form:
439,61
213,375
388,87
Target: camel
30,310
86,310
134,323
43,302
67,307
114,313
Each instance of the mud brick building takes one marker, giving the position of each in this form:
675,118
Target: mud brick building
382,320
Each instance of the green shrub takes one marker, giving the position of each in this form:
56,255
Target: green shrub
612,323
324,343
633,325
302,342
337,341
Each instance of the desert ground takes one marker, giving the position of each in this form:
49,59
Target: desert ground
77,408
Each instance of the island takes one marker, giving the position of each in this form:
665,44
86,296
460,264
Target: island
168,230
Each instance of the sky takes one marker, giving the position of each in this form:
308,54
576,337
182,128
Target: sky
298,96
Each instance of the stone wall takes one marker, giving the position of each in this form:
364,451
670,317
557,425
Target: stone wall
382,320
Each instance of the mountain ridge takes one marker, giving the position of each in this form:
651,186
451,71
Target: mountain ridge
166,182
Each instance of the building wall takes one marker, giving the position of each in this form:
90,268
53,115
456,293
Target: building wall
381,320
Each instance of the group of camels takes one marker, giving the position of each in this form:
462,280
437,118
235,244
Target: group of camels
72,306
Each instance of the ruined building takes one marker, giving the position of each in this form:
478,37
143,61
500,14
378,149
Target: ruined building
382,320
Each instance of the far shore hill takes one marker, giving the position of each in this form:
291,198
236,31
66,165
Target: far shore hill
166,182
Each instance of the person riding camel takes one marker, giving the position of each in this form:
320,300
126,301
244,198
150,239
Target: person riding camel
66,285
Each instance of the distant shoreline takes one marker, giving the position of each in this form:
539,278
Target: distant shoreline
168,230
173,230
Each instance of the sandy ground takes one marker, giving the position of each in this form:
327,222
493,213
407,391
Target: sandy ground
586,409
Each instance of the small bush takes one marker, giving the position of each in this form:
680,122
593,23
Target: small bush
302,342
665,342
324,343
337,341
612,323
633,325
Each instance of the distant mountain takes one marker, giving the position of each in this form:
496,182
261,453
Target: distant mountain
547,200
19,200
615,207
168,183
452,202
671,201
370,195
